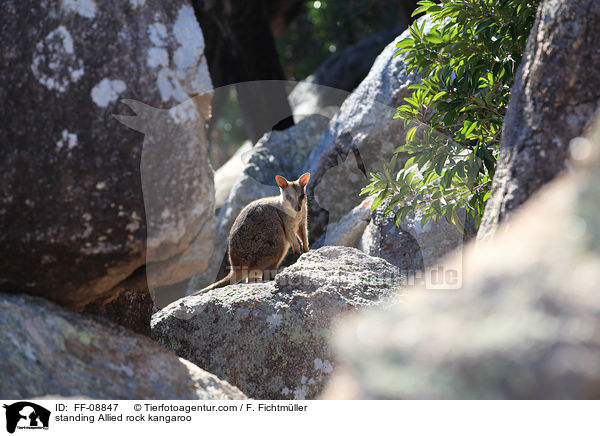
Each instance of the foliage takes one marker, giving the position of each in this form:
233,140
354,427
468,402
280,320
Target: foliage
468,61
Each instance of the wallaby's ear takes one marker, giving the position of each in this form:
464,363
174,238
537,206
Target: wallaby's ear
304,178
281,182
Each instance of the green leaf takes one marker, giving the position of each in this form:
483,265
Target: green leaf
378,200
407,42
439,162
395,202
393,162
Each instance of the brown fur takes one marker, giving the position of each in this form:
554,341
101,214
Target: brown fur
264,231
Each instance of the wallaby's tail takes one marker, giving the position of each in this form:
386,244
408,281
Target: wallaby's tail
230,279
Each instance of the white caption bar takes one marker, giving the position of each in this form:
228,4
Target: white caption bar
90,417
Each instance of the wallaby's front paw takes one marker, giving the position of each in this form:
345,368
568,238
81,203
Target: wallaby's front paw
297,250
305,248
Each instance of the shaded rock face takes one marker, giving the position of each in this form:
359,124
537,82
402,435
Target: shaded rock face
48,350
72,217
228,173
348,231
131,306
270,338
282,153
363,130
411,247
556,92
525,325
382,238
348,68
179,206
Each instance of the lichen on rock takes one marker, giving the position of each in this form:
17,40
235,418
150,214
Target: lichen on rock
270,339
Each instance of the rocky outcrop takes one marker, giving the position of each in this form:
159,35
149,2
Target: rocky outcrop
324,91
227,174
270,339
383,238
321,93
347,232
72,216
47,350
347,69
179,207
363,130
411,247
131,306
524,325
550,104
282,153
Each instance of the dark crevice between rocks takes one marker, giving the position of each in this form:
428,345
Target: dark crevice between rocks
130,306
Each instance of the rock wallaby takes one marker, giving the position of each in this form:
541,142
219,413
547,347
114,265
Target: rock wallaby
264,231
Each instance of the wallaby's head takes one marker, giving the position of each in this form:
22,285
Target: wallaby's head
293,194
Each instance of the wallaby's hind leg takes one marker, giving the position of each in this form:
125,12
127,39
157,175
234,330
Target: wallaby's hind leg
262,273
255,275
238,274
270,271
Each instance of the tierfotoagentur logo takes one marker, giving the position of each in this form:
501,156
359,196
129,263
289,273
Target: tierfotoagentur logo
25,415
